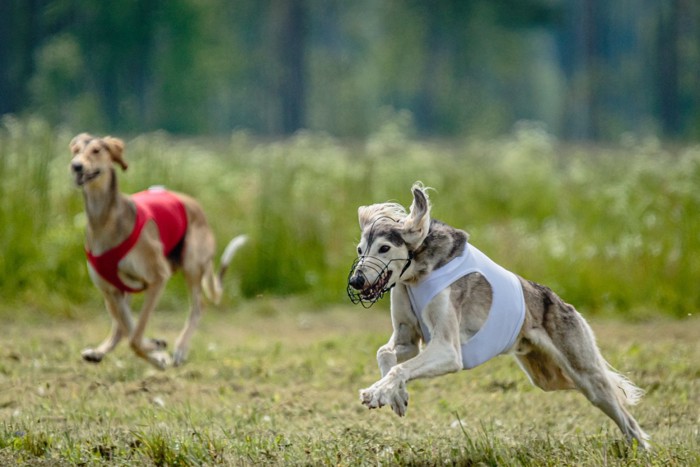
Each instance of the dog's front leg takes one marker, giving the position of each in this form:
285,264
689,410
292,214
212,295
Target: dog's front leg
386,357
402,346
122,324
437,359
442,355
405,338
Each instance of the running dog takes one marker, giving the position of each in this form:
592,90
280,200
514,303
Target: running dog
135,243
463,309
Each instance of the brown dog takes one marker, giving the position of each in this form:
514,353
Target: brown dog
135,243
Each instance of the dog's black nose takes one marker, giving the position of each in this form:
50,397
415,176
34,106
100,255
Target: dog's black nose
357,281
77,167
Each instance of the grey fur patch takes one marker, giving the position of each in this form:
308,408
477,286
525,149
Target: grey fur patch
442,244
385,230
394,236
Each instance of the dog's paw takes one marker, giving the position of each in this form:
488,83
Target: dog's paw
157,344
179,357
92,355
159,359
371,399
384,393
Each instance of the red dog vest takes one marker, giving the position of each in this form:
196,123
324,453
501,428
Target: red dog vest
169,214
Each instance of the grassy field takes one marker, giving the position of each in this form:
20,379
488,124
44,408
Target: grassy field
275,383
274,373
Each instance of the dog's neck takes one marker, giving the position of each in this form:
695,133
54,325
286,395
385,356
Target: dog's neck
110,215
443,244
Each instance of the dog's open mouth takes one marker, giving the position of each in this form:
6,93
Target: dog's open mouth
375,291
81,178
369,294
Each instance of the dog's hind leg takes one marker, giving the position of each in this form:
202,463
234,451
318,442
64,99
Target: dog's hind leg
198,269
606,389
602,388
559,333
543,371
597,386
182,344
570,342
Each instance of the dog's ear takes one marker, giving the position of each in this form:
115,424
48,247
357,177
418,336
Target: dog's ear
364,215
115,146
417,225
78,141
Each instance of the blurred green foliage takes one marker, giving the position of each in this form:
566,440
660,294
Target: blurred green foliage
612,229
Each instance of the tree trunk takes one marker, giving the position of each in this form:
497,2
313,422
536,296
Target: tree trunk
288,18
668,92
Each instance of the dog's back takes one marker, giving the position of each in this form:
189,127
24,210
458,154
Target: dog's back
168,212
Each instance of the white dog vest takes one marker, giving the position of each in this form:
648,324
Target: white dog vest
506,315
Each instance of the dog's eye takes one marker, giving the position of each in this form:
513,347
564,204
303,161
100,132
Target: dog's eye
95,151
384,248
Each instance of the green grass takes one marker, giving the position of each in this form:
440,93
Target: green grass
274,380
275,383
613,230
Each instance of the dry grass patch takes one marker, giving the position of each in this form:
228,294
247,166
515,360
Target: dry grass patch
271,384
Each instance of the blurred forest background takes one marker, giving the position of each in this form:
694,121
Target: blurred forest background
588,69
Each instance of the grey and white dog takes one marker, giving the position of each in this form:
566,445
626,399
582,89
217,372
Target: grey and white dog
452,327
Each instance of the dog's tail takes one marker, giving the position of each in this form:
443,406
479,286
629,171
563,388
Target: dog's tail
212,283
627,392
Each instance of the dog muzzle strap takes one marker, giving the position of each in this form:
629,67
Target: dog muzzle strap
371,293
408,263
